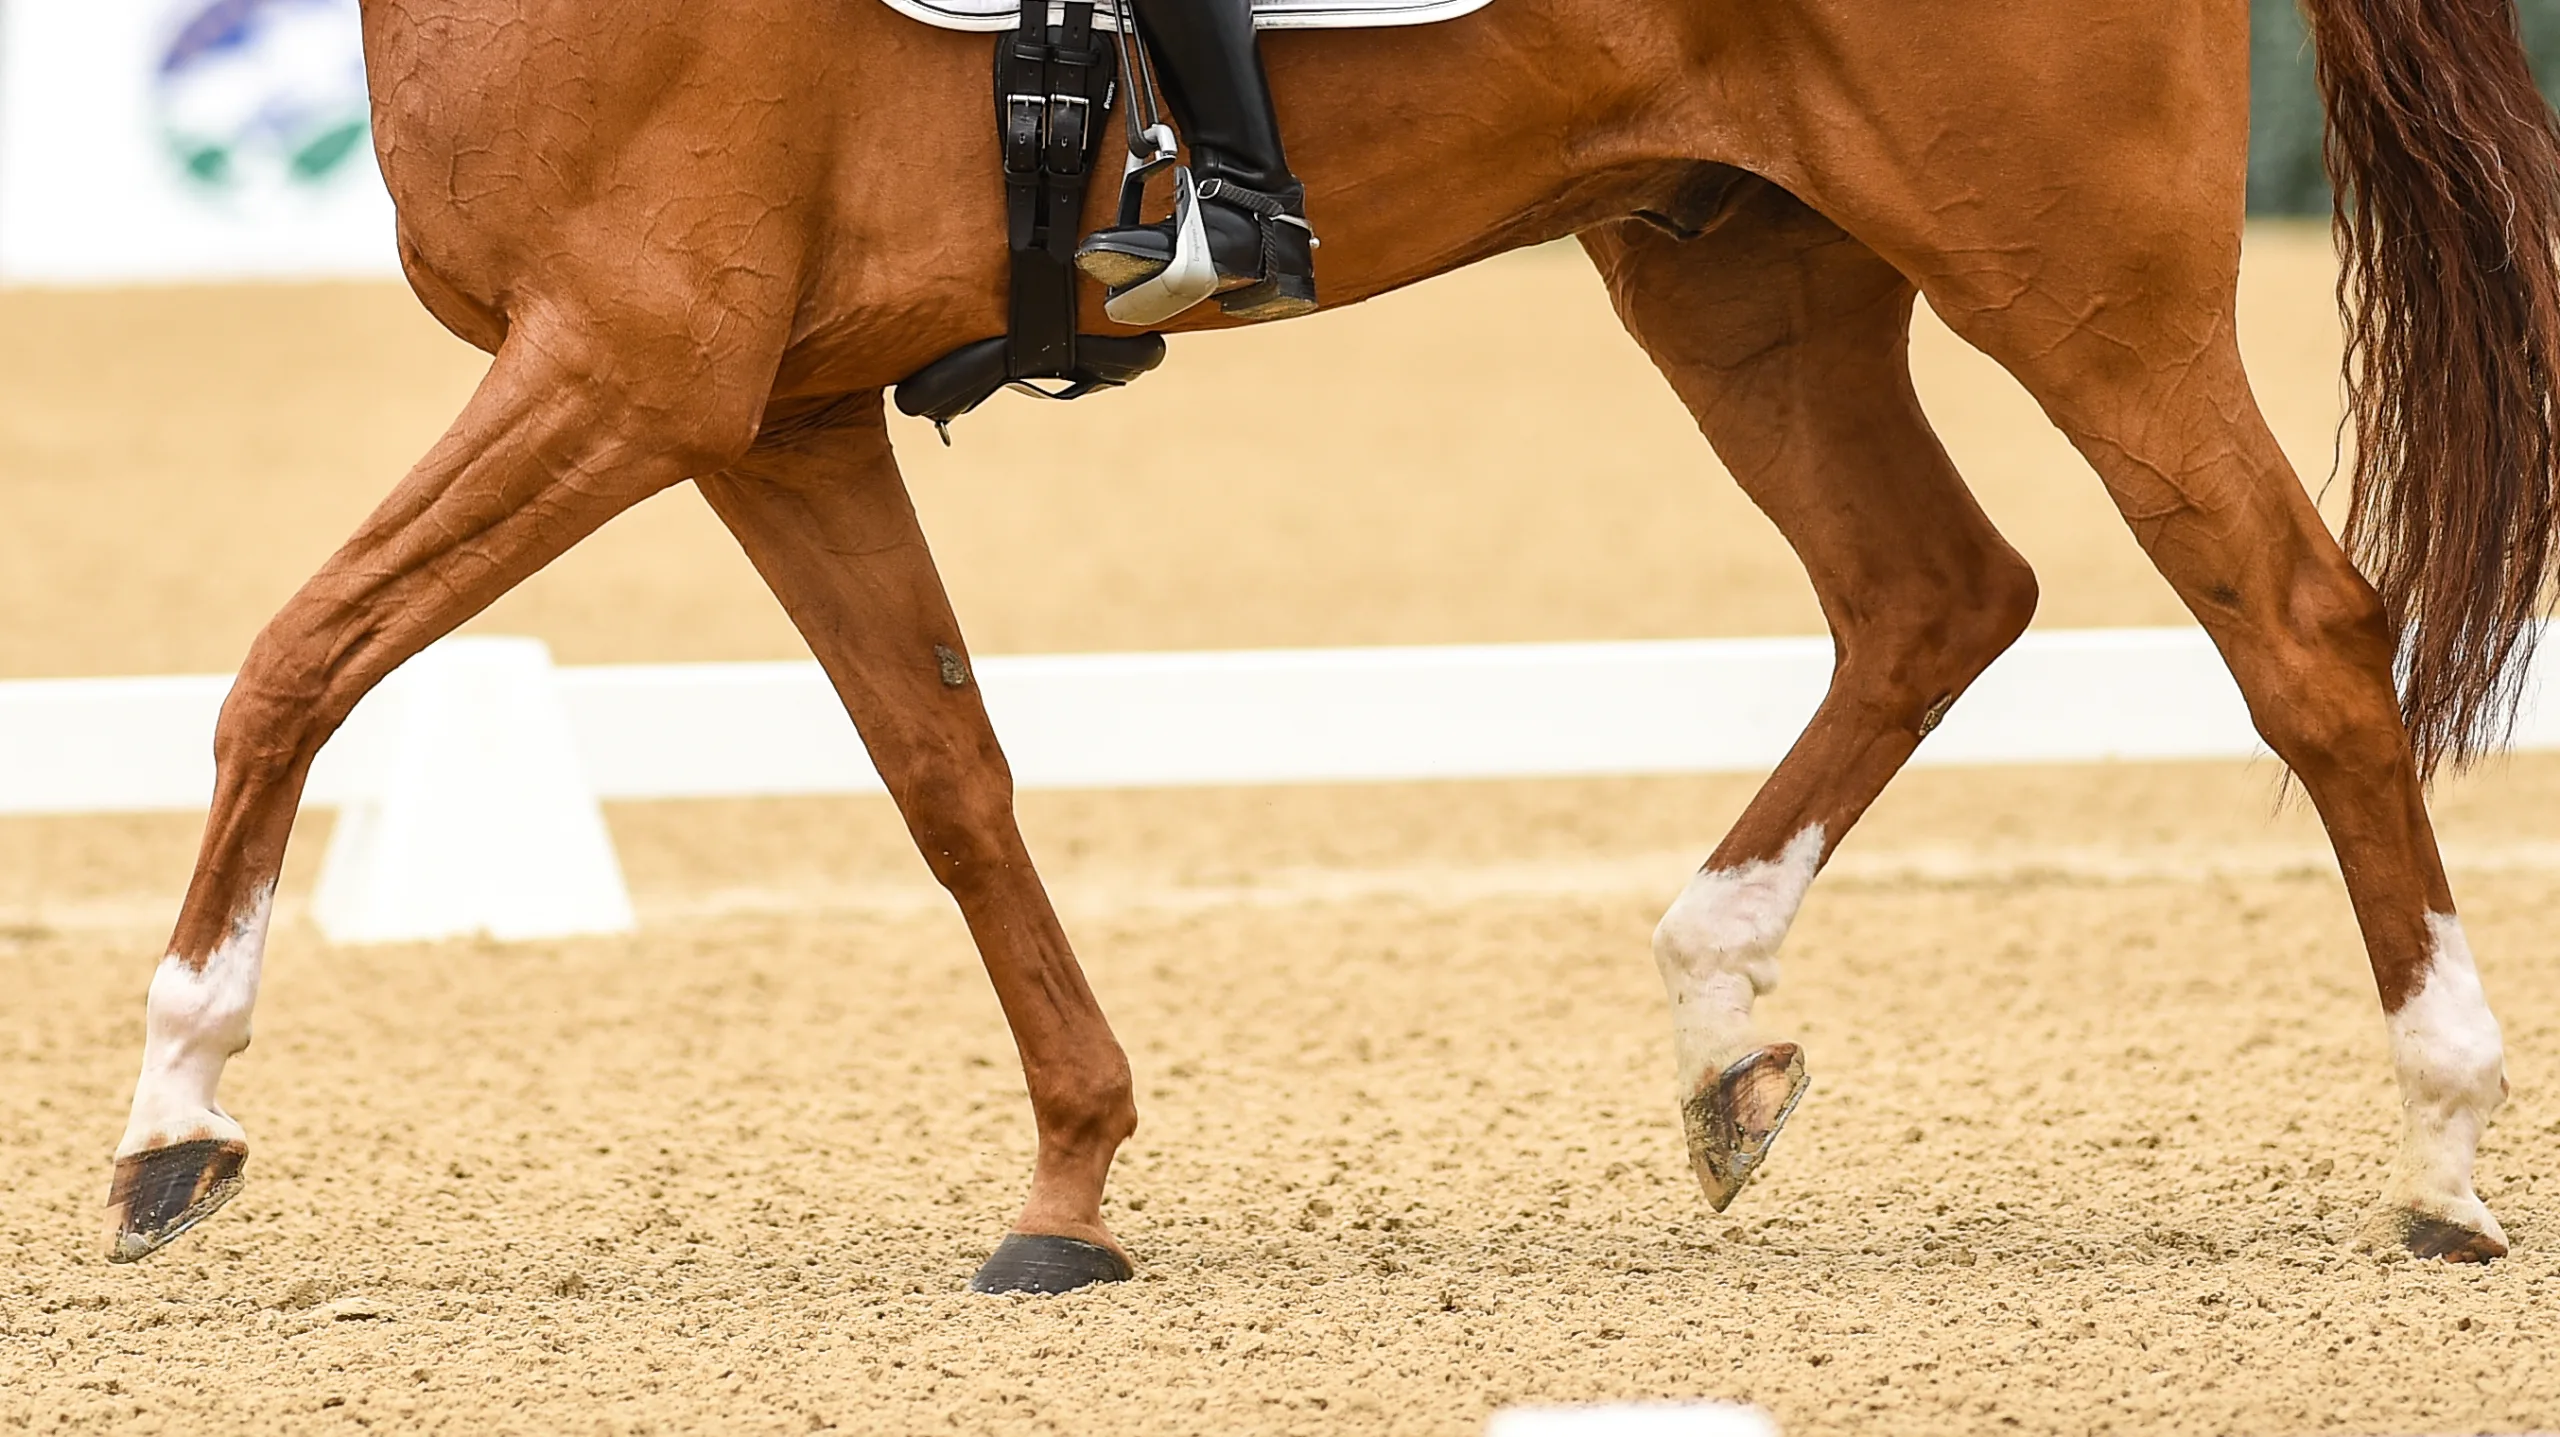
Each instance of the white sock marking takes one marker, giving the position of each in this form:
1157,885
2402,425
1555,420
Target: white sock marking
1718,950
196,1019
2451,1060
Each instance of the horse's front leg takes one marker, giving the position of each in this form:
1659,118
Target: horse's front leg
825,517
547,450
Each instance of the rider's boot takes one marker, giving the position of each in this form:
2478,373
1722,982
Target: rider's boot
1254,210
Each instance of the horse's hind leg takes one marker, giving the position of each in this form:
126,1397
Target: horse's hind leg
2113,304
549,448
1788,341
820,509
2172,428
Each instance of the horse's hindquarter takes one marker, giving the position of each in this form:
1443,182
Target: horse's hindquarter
1964,142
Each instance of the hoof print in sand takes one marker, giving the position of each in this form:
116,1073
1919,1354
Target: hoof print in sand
1028,1263
159,1194
1731,1121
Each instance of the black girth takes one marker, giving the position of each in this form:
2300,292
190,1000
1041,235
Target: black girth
1054,86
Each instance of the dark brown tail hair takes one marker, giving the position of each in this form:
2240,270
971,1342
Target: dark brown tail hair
2446,166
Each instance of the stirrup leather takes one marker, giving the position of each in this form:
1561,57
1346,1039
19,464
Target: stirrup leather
1054,81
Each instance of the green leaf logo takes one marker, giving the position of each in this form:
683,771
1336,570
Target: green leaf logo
263,96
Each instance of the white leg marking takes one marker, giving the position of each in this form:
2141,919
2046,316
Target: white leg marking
1718,950
2452,1065
197,1018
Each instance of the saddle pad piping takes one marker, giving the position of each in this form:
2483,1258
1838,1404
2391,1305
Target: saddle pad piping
989,16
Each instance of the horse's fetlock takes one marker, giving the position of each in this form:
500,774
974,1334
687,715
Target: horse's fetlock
2451,1060
195,1018
1717,949
195,1009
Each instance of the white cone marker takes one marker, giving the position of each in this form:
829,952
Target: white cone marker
476,815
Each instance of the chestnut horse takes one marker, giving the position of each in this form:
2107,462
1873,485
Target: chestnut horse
700,240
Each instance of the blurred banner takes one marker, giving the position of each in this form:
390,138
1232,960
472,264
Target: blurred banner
172,140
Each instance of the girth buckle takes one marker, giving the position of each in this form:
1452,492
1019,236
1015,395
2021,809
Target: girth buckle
1025,129
1070,124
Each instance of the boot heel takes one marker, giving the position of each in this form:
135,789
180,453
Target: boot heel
1281,296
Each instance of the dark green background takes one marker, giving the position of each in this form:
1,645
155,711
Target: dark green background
2284,116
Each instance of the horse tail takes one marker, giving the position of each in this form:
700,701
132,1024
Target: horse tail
2445,164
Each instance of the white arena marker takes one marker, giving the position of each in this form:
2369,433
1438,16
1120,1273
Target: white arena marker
1633,1419
474,814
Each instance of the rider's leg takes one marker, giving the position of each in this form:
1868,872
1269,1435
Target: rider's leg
1254,209
1788,341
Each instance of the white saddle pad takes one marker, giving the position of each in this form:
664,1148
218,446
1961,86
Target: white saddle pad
1267,14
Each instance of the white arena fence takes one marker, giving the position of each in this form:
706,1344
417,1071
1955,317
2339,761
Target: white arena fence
469,785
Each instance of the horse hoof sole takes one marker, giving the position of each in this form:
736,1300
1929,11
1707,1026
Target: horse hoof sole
159,1194
2435,1240
1732,1121
1027,1262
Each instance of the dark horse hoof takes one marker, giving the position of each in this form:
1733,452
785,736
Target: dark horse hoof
2434,1239
1024,1262
159,1194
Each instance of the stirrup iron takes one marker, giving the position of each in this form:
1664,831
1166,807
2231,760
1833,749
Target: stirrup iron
1191,278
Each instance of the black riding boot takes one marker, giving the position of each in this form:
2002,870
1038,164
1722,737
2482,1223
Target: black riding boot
1252,207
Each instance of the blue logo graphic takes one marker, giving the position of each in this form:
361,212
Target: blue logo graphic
264,96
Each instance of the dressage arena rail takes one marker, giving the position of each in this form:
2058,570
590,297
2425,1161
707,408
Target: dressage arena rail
469,784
